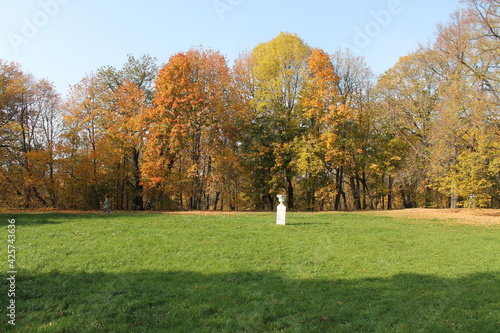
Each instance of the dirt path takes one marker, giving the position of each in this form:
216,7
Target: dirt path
464,216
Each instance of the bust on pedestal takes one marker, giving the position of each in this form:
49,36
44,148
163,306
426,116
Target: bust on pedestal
281,211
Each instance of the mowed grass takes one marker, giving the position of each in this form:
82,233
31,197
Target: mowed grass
323,272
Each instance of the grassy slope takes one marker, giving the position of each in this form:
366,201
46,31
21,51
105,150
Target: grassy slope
241,273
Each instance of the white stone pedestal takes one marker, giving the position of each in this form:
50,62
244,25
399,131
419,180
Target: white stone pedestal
281,211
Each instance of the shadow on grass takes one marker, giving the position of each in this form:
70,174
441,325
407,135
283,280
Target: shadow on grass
253,302
32,219
38,219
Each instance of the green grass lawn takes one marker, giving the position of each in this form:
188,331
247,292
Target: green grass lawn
325,272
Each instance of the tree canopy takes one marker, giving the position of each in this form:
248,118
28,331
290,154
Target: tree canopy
285,118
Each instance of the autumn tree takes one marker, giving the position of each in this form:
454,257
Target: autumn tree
131,95
105,131
86,152
11,176
127,133
483,16
29,127
319,100
187,138
45,157
349,135
254,144
410,93
277,76
252,186
467,133
442,101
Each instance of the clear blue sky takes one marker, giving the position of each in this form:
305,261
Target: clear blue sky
62,40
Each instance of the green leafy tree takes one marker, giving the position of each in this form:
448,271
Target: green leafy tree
278,74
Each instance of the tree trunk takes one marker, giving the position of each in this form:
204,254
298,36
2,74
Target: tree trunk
271,202
356,192
289,192
389,195
216,200
137,200
340,189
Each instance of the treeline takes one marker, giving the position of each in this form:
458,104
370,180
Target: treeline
286,118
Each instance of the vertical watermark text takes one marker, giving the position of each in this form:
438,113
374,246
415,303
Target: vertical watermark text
11,272
31,25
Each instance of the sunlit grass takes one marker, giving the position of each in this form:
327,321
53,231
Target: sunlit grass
241,273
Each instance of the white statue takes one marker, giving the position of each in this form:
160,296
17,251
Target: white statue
281,211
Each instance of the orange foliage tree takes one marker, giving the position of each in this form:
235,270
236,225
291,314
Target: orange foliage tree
29,131
187,140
